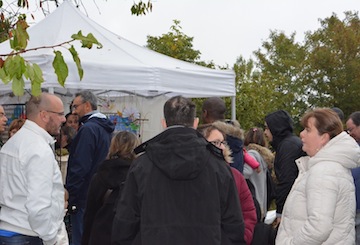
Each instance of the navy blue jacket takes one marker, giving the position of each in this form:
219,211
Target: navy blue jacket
88,150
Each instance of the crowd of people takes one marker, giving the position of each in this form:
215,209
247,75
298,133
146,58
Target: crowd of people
70,179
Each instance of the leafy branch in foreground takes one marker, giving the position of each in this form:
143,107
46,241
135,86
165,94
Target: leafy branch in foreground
15,69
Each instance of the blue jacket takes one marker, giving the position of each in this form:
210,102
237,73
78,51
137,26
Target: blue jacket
356,174
88,150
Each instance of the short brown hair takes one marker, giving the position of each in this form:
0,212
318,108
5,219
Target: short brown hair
326,121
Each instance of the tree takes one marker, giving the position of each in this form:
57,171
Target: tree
174,44
178,45
333,63
272,81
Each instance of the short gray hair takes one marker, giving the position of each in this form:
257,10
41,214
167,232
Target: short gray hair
88,96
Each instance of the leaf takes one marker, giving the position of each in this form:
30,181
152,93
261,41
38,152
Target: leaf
15,66
87,41
77,61
21,37
4,77
35,88
61,69
18,86
34,74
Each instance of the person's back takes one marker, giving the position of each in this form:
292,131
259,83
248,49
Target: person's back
179,191
105,189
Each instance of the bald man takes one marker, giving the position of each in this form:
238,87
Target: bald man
3,121
32,192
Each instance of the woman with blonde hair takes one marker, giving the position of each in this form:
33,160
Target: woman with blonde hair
320,208
105,189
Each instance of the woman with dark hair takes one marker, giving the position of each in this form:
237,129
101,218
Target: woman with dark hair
15,125
105,189
320,208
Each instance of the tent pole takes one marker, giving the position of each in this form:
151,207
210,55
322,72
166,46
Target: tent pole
233,107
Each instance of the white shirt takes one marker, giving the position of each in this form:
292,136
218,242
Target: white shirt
31,188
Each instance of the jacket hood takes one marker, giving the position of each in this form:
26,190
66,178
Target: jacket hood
280,125
342,149
113,170
266,154
180,152
101,119
233,130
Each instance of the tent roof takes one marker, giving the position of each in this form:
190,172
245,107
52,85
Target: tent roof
120,66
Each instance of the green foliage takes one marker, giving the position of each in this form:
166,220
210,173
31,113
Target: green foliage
14,69
86,41
77,61
20,36
141,8
60,67
175,44
333,63
323,71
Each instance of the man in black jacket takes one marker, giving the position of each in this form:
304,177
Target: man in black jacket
288,148
180,191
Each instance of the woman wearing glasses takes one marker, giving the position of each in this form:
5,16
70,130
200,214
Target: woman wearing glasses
217,138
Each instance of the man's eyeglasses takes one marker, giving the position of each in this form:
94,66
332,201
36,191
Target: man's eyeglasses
218,143
74,107
61,114
2,114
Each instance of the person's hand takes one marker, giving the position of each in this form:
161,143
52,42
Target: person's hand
276,222
258,169
66,198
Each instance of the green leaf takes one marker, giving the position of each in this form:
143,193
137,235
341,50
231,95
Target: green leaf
35,88
18,86
77,61
21,37
38,74
15,66
3,76
61,69
87,41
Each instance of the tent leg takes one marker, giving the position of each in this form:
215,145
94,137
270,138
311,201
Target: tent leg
233,108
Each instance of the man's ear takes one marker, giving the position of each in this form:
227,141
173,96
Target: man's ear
196,123
163,123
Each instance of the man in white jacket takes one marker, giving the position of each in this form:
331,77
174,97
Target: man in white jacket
31,188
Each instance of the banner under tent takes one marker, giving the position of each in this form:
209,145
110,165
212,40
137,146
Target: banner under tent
126,77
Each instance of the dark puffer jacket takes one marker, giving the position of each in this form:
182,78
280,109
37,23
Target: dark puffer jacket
180,191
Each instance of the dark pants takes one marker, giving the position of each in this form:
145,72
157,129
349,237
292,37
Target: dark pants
20,240
77,226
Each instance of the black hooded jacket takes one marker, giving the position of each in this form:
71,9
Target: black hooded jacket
180,191
288,148
104,191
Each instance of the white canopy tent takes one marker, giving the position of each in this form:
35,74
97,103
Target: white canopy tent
120,68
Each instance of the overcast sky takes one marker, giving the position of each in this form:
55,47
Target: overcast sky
222,29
